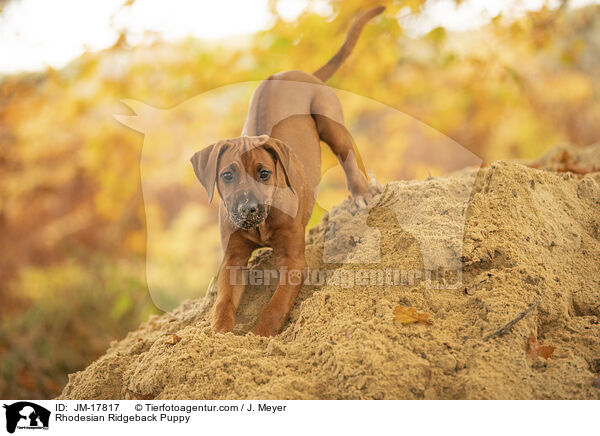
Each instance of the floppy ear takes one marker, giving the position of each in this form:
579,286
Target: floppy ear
205,166
281,153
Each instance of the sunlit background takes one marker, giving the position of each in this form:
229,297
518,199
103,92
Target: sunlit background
35,34
503,79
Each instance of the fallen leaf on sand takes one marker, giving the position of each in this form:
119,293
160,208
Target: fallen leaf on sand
174,340
535,349
409,315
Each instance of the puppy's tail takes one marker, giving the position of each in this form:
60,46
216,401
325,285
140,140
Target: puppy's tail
327,70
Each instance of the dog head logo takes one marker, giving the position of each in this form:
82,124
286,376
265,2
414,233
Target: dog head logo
26,415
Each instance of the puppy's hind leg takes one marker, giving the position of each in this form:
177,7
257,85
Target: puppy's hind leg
327,113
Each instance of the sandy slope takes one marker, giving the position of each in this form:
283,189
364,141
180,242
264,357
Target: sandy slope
523,236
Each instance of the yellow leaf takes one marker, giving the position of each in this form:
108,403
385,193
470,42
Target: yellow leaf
535,349
174,340
409,315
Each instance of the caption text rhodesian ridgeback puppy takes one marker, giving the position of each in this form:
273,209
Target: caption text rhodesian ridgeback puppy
268,178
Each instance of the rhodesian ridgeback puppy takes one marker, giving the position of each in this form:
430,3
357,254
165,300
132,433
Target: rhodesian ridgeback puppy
268,178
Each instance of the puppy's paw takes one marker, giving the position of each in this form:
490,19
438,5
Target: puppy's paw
222,323
266,329
364,192
374,186
375,189
359,202
263,330
268,324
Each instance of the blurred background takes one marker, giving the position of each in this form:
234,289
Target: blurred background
504,79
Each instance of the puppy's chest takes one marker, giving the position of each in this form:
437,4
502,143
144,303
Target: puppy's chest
260,235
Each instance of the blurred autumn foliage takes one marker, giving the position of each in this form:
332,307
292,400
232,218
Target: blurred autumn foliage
72,216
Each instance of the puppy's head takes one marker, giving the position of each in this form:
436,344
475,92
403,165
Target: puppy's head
248,172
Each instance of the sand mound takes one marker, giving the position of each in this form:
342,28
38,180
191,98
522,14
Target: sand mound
523,237
568,158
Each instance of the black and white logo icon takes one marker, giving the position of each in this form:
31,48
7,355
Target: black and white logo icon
26,415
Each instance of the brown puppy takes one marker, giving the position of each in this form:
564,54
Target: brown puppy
267,180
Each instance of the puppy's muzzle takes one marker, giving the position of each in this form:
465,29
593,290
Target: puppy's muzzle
247,211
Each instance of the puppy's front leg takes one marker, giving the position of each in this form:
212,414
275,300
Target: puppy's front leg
230,285
289,251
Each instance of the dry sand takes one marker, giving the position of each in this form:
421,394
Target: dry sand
523,236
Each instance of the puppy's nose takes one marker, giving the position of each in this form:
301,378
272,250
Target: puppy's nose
248,206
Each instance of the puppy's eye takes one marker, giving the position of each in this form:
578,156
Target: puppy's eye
264,175
227,176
